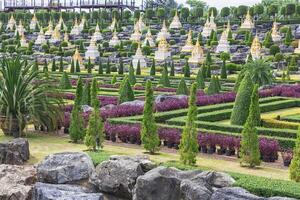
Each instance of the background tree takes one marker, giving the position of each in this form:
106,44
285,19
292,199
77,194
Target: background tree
225,12
200,79
86,94
268,40
121,67
100,68
224,57
188,147
184,13
186,70
138,68
125,92
65,82
161,13
274,49
196,3
108,67
272,10
290,9
242,10
182,88
131,76
164,79
61,64
149,135
152,69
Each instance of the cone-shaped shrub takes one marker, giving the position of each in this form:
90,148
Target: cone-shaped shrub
89,66
200,79
241,107
77,66
295,164
164,79
72,70
238,82
152,70
288,37
53,68
149,135
35,66
76,130
255,106
121,67
186,70
203,69
65,82
213,87
182,88
138,68
45,68
86,95
78,94
249,151
100,68
108,67
131,75
114,79
125,91
189,144
94,131
208,72
61,65
172,71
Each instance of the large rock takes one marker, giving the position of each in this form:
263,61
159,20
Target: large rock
195,189
65,167
16,182
164,184
217,179
118,175
45,191
15,152
233,193
164,97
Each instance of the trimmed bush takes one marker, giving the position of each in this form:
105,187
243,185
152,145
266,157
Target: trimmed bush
65,82
295,164
182,88
125,91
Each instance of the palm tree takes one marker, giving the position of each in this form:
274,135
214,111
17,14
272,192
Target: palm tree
25,97
260,71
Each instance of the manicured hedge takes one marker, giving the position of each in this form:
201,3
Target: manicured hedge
273,123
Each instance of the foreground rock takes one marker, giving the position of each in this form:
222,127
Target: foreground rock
44,191
16,182
15,152
65,167
118,175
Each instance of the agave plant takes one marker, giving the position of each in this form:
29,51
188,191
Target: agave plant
25,97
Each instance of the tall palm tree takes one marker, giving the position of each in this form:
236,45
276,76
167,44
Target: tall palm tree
25,96
260,72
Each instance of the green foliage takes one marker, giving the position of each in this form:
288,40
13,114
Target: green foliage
131,75
53,68
214,86
72,70
45,68
89,66
95,126
77,66
114,79
200,79
224,56
78,94
121,67
208,72
86,95
100,67
76,129
295,164
274,49
182,88
152,70
149,135
61,65
108,67
65,82
164,79
125,91
288,37
268,40
249,151
240,110
138,68
172,71
186,70
189,143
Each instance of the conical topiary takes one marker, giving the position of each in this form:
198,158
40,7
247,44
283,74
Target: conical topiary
182,88
65,82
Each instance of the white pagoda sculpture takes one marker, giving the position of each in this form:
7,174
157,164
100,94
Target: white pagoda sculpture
77,57
255,49
297,50
33,22
11,23
149,39
113,24
209,26
81,25
40,38
140,23
75,29
20,28
223,45
163,51
197,54
176,24
61,25
188,47
115,39
138,57
92,51
276,37
248,22
55,37
49,29
136,35
23,42
163,34
97,36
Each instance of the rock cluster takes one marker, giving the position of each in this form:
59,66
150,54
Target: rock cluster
14,152
72,176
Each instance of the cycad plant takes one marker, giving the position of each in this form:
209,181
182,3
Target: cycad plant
25,97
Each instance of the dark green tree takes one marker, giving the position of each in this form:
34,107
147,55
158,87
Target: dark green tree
77,66
189,143
86,95
65,82
164,79
121,67
61,64
186,70
89,66
268,40
100,67
138,68
131,75
182,88
149,135
288,37
172,70
224,57
240,110
200,79
125,92
53,68
108,67
45,68
152,70
72,70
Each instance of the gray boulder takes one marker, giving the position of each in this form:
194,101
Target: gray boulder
217,179
163,97
118,175
16,182
134,103
164,183
233,193
14,152
44,191
193,189
65,167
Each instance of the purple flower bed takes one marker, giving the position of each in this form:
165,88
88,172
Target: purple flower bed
269,149
121,111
